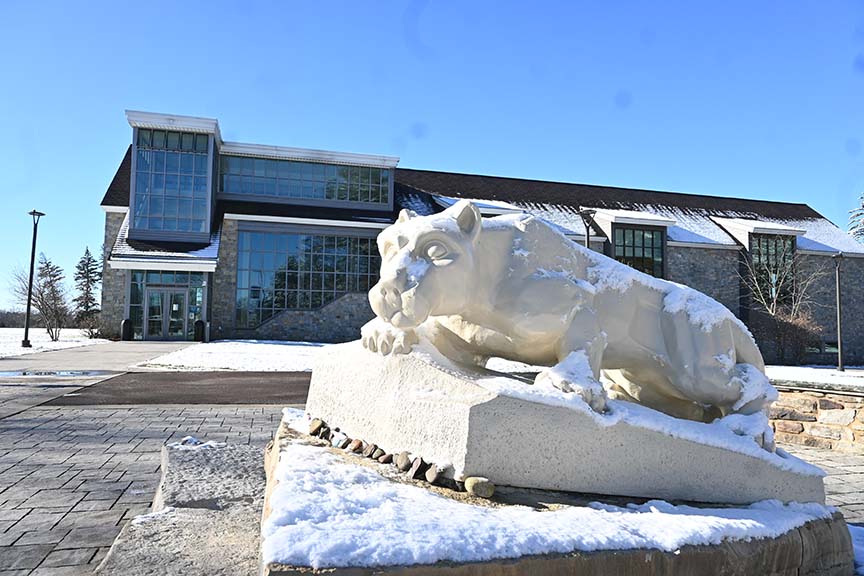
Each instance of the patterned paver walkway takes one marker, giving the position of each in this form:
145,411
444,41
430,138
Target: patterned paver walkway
70,477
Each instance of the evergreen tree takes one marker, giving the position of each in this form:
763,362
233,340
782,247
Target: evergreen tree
856,221
87,276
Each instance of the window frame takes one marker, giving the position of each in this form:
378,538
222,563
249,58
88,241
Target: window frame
343,188
136,233
613,245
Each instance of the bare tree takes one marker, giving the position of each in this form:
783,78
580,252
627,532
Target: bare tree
784,291
50,296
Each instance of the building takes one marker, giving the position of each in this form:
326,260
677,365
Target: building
257,241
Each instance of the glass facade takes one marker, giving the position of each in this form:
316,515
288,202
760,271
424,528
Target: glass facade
142,283
170,181
640,248
307,180
285,271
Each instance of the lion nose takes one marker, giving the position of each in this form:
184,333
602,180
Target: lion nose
391,297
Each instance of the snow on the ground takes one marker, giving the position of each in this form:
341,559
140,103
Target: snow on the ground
326,513
241,355
857,533
10,341
852,376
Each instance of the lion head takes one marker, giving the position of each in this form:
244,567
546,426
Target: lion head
427,263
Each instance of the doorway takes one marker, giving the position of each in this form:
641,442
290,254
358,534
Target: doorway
165,314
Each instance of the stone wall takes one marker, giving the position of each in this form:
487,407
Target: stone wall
819,419
223,290
709,270
113,281
339,321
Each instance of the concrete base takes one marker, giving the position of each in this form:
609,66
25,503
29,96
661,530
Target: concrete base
206,520
818,548
406,403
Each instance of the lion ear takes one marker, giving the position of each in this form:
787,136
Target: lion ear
467,217
405,216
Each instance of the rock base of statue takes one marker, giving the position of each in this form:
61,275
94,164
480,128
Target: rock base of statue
472,422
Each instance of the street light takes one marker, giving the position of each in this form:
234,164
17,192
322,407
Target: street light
838,259
587,215
26,342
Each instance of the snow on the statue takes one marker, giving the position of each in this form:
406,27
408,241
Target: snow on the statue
241,355
10,341
734,432
327,513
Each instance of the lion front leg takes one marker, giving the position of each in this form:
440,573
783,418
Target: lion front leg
384,338
580,353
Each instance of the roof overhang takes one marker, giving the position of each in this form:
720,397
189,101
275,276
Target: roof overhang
159,121
117,209
741,228
307,155
605,218
307,221
162,264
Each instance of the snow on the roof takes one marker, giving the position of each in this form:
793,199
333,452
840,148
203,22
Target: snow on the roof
495,206
691,225
822,235
123,249
623,216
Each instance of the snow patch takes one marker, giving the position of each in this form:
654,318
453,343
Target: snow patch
192,443
326,513
241,355
152,516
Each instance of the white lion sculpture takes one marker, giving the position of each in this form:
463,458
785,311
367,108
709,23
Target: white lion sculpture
515,288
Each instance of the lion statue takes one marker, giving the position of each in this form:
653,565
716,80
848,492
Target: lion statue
513,287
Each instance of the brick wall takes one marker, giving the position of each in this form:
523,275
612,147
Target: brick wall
709,270
113,281
819,419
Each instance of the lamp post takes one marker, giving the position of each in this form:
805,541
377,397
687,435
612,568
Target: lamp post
838,259
26,342
587,215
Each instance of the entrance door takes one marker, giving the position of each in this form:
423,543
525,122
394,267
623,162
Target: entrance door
166,314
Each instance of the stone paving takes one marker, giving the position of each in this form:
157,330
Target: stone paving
71,477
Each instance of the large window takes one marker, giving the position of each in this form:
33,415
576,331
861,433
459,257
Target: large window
277,271
170,181
640,248
140,281
305,180
771,270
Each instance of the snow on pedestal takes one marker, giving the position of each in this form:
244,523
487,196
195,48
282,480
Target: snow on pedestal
523,435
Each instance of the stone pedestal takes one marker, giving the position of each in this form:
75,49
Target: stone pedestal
442,413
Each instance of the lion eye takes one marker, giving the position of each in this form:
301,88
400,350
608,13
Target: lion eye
436,250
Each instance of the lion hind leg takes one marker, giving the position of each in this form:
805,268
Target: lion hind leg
574,375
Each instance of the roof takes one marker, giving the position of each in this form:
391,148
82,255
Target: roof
427,192
127,251
118,191
559,203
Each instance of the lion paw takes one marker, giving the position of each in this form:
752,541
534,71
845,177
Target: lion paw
586,387
379,336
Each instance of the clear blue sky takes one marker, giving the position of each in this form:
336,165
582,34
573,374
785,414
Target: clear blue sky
755,99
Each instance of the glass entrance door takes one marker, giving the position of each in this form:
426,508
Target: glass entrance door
166,314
